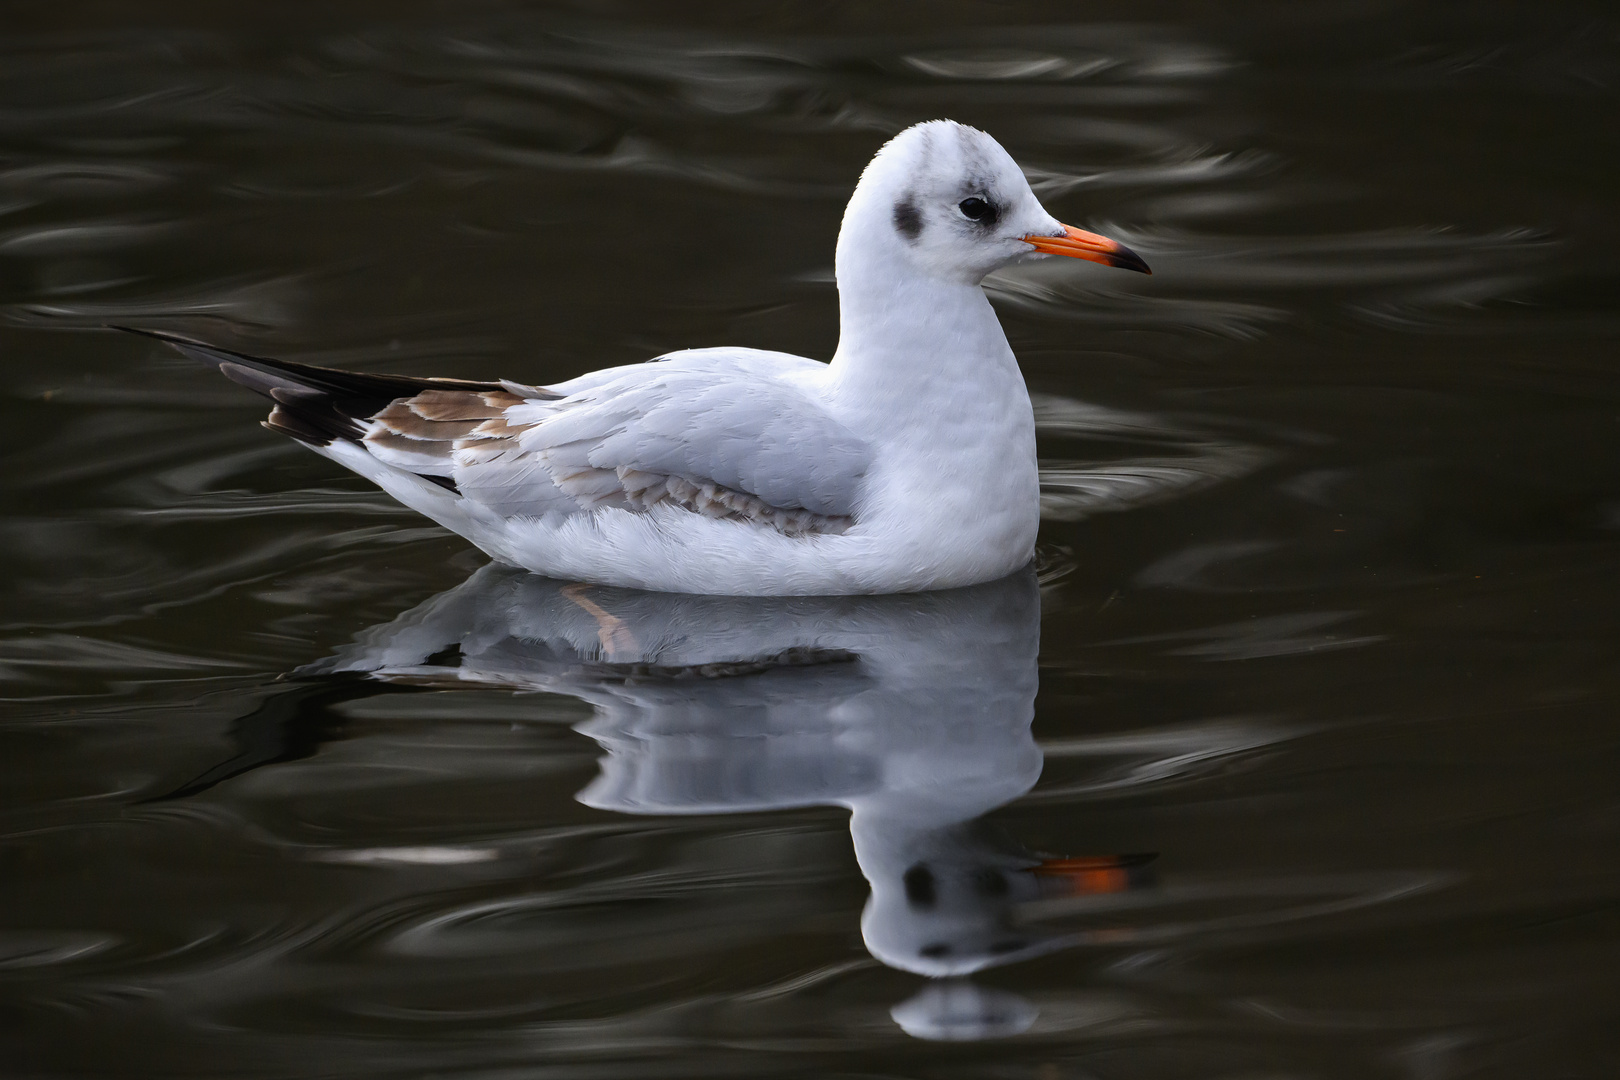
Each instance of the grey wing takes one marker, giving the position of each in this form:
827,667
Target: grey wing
721,432
464,441
725,444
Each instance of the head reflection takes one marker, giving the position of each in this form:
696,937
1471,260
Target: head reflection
912,711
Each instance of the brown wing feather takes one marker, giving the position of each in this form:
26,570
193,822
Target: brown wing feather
460,405
420,424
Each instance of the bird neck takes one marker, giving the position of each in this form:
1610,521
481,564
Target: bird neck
907,337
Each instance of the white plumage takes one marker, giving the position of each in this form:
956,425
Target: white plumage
907,463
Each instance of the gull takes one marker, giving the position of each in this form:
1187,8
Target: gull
905,464
912,712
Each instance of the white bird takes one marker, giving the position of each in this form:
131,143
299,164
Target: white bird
905,464
913,712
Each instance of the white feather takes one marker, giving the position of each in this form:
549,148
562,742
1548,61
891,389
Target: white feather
907,463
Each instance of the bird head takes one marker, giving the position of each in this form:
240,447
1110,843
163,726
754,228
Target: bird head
949,202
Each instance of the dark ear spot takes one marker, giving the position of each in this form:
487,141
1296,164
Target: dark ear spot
908,220
919,882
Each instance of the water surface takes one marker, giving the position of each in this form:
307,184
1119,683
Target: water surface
1294,755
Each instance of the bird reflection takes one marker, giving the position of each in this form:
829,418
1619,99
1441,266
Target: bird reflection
913,711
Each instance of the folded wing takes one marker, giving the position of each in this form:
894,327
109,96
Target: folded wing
726,433
703,434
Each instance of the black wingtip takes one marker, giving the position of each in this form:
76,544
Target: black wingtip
157,335
186,344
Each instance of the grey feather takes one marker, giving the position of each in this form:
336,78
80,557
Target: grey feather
718,432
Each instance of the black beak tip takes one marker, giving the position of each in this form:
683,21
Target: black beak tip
1126,259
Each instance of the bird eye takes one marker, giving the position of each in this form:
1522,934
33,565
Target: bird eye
974,208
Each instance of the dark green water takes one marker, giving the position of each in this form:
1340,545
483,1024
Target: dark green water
1325,618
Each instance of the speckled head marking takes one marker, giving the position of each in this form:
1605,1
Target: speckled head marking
978,207
914,200
944,201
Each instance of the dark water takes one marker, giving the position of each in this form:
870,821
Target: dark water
1324,621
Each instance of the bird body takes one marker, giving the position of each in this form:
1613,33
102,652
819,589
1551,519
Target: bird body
723,705
906,464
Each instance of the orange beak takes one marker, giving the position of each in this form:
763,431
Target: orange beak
1079,244
1090,875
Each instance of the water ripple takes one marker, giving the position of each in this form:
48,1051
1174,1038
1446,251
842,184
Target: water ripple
469,863
1072,490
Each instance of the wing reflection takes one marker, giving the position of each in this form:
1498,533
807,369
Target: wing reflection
912,711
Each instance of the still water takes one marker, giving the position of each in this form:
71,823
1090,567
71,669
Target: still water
1295,755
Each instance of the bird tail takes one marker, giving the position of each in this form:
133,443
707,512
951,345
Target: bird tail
314,405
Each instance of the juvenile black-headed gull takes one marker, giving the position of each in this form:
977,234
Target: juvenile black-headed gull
913,712
906,464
